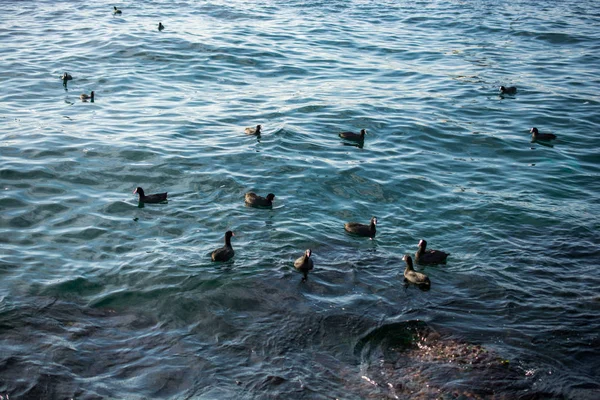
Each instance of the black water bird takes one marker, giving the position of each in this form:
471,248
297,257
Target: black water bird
86,97
412,276
536,135
362,229
160,26
254,131
116,11
151,198
508,90
424,256
254,200
304,264
355,137
65,78
226,252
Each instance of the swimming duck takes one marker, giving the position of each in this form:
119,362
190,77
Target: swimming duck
151,198
362,229
508,90
304,264
86,97
252,199
253,131
226,252
160,26
535,135
412,276
66,77
116,11
355,137
424,256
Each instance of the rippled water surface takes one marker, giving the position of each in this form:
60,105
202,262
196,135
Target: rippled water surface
103,298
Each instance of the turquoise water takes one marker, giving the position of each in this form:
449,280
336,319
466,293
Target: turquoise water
101,298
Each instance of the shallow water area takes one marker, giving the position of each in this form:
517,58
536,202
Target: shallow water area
103,298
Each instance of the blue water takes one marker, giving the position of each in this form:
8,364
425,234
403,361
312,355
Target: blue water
103,298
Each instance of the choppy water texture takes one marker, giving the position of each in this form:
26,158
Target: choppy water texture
100,298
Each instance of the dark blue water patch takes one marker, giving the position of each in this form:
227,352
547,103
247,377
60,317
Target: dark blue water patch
226,13
7,268
137,155
8,202
46,190
554,38
284,71
77,325
78,286
36,215
36,174
85,234
122,299
119,207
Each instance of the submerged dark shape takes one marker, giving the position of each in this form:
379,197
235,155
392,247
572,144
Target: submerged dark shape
254,200
226,252
362,229
304,264
420,357
536,135
355,137
412,276
359,145
253,131
271,380
508,90
86,97
151,198
424,256
160,26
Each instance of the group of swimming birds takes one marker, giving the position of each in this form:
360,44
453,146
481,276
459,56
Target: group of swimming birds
116,11
305,263
535,134
67,77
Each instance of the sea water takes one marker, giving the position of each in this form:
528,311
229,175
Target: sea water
101,297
